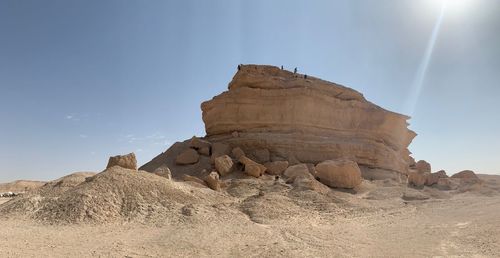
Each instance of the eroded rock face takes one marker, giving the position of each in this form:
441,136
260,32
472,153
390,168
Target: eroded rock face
305,121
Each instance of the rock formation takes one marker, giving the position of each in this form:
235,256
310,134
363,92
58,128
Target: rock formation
125,161
271,112
339,173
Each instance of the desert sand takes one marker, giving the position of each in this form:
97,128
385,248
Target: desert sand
258,219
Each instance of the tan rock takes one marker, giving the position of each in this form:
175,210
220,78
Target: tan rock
466,174
197,143
204,151
308,121
303,183
297,171
416,179
276,167
252,168
431,178
163,171
237,153
194,179
441,174
125,161
224,165
189,156
212,181
339,173
445,184
423,166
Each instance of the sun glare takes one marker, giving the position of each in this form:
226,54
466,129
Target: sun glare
454,5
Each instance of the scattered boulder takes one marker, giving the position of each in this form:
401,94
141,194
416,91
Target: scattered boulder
224,165
197,143
189,178
204,151
423,166
237,153
252,168
125,161
339,173
163,171
276,167
466,174
441,174
297,171
431,179
303,183
416,179
212,181
187,157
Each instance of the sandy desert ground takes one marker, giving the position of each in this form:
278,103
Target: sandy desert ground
375,222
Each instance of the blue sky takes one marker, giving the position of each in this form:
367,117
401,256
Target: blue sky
83,80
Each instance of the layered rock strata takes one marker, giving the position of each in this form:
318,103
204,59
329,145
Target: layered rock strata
305,120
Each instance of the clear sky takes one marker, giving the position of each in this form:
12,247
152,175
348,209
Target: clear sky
83,80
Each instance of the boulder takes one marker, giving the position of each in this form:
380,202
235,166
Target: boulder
212,181
224,165
297,171
423,166
466,174
441,174
197,143
204,151
252,168
307,183
416,179
187,157
339,173
194,179
125,161
237,153
276,167
431,179
163,171
306,121
445,184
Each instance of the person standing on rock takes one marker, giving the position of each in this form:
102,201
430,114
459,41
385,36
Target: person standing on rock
295,70
239,67
281,67
305,76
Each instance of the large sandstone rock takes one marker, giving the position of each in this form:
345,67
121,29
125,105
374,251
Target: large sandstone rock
339,173
220,149
224,165
212,181
306,121
187,157
125,161
163,171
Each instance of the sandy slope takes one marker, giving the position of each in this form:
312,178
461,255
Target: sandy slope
465,225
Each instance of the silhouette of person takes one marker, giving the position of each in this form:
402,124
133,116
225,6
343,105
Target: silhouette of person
281,67
305,76
239,67
295,70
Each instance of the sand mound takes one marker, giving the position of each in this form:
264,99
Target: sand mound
114,195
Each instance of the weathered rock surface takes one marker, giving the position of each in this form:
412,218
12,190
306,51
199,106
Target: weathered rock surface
423,166
189,156
297,171
125,161
306,120
219,149
339,173
224,165
276,167
212,181
416,179
252,168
